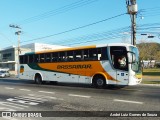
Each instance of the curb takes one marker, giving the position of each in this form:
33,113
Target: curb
150,85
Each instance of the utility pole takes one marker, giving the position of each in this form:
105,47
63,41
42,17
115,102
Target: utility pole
132,10
18,32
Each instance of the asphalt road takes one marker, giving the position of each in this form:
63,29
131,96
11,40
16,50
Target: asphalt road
22,95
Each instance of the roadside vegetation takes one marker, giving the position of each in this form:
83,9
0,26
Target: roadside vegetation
152,72
150,51
151,76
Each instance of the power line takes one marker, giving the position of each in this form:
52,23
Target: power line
95,40
152,29
58,11
117,32
75,28
149,12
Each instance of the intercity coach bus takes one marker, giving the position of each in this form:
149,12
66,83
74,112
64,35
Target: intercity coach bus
100,65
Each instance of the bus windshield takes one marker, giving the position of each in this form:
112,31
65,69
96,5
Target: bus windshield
136,66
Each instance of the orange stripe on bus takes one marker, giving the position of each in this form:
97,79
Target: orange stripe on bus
87,68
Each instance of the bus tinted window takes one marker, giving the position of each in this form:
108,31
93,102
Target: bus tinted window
85,54
70,55
62,56
25,59
93,54
42,58
36,58
104,55
21,59
54,57
48,57
78,55
99,54
67,56
31,58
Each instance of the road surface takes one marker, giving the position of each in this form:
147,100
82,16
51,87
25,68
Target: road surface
22,95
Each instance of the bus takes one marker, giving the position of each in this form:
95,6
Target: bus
99,65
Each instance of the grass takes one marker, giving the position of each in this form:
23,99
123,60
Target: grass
153,76
151,72
150,82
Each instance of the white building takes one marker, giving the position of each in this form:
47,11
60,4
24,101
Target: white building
9,55
149,63
34,47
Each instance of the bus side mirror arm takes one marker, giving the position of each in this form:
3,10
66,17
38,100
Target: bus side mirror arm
131,57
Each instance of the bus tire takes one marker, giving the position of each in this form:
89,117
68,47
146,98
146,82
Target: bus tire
99,81
38,79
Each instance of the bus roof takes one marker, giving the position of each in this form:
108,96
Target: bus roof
81,47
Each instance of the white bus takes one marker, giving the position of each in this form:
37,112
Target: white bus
100,65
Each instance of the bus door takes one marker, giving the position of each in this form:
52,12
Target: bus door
120,63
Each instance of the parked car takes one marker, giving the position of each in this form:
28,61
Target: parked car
4,74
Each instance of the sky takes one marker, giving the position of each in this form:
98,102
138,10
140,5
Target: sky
76,22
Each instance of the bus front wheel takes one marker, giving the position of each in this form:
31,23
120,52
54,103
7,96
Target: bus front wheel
38,79
99,81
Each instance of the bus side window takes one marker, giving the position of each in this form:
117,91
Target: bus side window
25,59
48,57
93,54
55,57
85,55
42,58
70,55
104,54
36,58
21,59
99,54
62,56
78,55
31,58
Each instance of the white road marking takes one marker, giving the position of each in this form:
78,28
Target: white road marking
55,98
9,88
25,89
22,101
75,95
43,96
30,99
17,104
47,92
6,109
127,101
12,105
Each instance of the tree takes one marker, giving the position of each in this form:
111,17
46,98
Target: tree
149,51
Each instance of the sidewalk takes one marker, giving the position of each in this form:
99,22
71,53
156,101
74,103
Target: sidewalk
146,77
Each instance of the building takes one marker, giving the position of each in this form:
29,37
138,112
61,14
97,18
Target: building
149,63
9,55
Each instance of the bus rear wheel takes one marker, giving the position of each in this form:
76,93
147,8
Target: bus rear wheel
38,79
99,81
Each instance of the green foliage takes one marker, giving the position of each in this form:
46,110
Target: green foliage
151,72
157,65
149,51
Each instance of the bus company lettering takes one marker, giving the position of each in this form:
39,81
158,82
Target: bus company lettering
84,66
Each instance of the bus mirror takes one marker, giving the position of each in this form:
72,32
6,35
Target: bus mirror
132,57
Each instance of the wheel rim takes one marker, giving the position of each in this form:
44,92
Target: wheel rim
38,80
100,82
